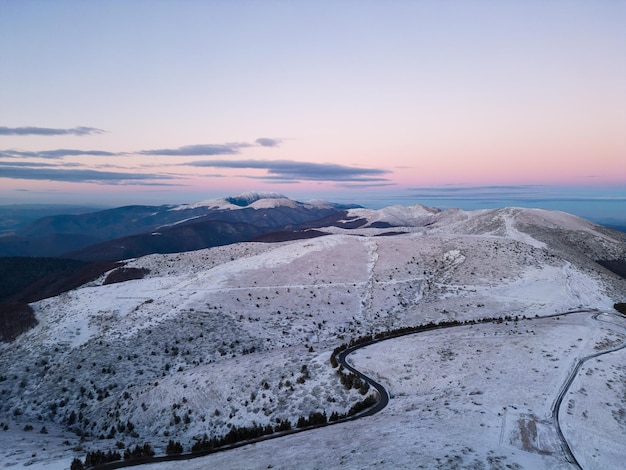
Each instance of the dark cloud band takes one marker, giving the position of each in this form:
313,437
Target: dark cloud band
58,153
48,172
294,170
197,150
212,149
511,194
200,150
80,131
265,142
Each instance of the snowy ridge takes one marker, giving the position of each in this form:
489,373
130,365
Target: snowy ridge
271,203
247,199
399,216
209,204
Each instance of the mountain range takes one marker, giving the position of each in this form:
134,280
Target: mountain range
219,316
130,231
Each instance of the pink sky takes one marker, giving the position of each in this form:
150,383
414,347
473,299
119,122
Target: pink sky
168,102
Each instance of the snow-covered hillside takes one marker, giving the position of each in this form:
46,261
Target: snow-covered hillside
234,202
473,397
255,200
242,334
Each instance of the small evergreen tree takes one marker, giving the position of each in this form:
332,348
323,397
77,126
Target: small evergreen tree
173,448
284,425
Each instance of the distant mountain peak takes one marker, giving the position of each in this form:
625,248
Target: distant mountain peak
233,202
247,198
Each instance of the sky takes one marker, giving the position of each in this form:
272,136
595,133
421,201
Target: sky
124,102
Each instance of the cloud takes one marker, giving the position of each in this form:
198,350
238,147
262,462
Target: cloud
198,150
293,170
58,153
185,151
212,149
475,192
363,185
267,142
25,164
80,131
49,172
510,194
142,183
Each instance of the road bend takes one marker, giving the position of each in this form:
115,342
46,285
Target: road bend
383,394
556,406
382,399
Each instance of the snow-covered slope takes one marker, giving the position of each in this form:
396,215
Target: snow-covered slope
397,216
248,199
473,397
242,334
254,200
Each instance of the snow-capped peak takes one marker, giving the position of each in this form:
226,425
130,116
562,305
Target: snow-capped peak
247,198
233,202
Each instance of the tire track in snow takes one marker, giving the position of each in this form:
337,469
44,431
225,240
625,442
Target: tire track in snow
367,299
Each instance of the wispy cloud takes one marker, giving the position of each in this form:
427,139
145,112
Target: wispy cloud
267,142
477,191
25,164
49,172
57,153
363,185
80,131
199,150
212,149
514,194
294,170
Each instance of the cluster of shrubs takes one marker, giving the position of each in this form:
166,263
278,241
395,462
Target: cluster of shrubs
98,457
239,434
235,435
174,448
352,380
315,419
359,406
139,452
125,274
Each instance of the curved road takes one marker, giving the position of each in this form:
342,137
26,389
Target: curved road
556,406
383,399
383,394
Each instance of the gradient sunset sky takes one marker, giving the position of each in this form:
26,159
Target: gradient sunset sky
122,102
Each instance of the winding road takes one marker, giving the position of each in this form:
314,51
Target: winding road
556,406
382,396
